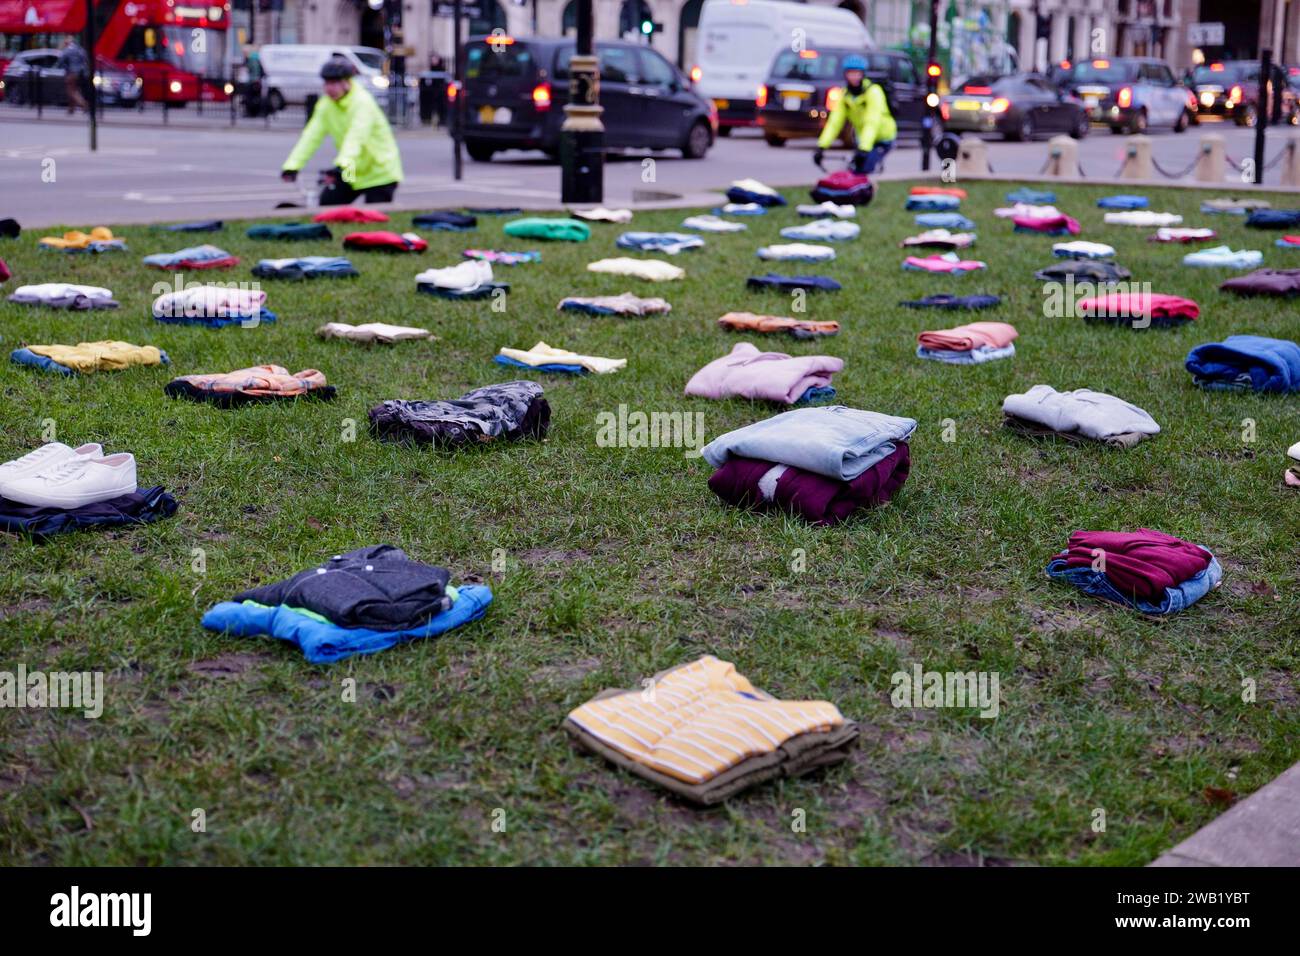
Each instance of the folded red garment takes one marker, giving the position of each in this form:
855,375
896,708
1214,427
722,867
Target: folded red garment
973,335
4,271
179,264
938,191
815,498
385,241
349,214
1154,304
1291,240
1053,224
1142,563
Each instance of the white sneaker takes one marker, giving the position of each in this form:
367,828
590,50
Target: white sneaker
45,458
76,482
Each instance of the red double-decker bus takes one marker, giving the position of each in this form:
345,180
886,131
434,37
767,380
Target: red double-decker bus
176,47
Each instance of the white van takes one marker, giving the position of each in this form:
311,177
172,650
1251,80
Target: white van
293,69
737,41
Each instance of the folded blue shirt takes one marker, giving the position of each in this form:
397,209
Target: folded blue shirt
549,367
1273,219
1032,197
306,267
946,300
1123,202
812,283
1176,599
933,203
944,220
1242,362
831,440
325,643
737,195
668,242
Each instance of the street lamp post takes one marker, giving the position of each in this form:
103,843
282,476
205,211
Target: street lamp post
931,88
93,102
582,169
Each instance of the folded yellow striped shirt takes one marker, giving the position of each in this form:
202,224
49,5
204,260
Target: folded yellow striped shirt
699,720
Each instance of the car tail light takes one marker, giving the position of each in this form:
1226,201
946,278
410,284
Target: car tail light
1191,101
696,74
944,111
833,96
761,99
977,90
542,97
1125,98
1235,95
1000,105
453,90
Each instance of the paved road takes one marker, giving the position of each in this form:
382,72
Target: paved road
147,172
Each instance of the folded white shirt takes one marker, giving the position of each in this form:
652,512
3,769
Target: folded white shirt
1142,217
209,300
797,250
709,223
744,208
1026,211
1082,249
828,208
1165,234
543,354
371,332
652,270
60,291
1225,257
462,277
601,214
753,186
1091,414
1294,451
822,229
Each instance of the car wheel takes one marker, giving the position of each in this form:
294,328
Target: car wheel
1184,121
1117,129
1081,127
1024,130
479,152
1248,117
698,141
724,131
773,140
1139,123
275,101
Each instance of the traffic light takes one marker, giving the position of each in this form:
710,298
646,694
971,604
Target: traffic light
648,27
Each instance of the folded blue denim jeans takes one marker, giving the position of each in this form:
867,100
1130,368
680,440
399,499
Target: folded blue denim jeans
1177,599
1123,202
669,243
946,300
1032,197
944,220
306,267
979,356
786,283
938,202
170,260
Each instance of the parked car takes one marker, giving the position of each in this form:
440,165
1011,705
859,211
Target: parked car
292,70
514,89
1231,90
1132,94
1019,107
32,76
803,86
737,39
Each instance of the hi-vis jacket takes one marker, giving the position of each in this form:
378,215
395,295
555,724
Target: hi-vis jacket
868,112
367,152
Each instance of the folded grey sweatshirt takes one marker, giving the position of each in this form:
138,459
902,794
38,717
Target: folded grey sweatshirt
1091,414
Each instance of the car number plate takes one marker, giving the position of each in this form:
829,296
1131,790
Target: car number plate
966,105
486,114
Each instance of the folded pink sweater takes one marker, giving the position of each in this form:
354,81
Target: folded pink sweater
748,373
971,336
1157,305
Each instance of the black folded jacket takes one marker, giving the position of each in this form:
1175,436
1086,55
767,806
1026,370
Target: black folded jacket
1083,270
946,300
785,283
206,225
378,587
139,507
1273,219
10,229
444,220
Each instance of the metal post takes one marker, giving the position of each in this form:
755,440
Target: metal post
582,136
93,102
457,112
534,17
931,87
1261,112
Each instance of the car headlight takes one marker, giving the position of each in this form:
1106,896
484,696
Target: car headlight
229,88
380,82
98,80
139,81
174,86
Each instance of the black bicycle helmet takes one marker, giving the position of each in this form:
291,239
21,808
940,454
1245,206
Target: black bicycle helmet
337,68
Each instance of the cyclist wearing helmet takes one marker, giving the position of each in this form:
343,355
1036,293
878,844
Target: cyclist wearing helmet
863,105
367,163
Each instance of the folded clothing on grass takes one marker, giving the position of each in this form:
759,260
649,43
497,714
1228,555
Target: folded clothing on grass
545,358
946,300
712,224
940,239
1149,571
196,257
833,441
972,344
1081,249
553,230
823,209
99,239
1081,414
937,191
1083,270
444,221
1224,257
796,252
261,383
290,231
213,306
823,230
601,214
669,243
349,214
1183,235
937,202
502,258
371,332
1246,363
1139,309
798,328
740,209
944,220
946,262
5,274
1032,196
64,295
1273,219
1058,225
1234,207
844,187
384,241
752,191
505,412
788,283
142,506
1278,282
706,733
464,277
624,304
87,357
765,485
1142,217
745,372
1123,202
1027,211
203,225
306,267
652,270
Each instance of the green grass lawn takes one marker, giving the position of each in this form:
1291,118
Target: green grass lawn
621,562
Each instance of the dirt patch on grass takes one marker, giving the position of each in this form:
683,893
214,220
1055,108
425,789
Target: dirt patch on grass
226,665
554,556
569,673
35,605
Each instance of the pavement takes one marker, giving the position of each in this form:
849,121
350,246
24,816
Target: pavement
197,167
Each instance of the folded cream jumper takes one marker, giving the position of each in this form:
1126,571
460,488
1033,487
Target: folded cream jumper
1081,413
371,332
705,733
601,214
652,270
543,354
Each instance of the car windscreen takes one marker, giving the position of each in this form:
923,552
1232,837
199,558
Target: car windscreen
372,59
498,61
807,65
1102,71
1226,73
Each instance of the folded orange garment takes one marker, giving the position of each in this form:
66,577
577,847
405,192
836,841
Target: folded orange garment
269,380
749,322
938,191
972,336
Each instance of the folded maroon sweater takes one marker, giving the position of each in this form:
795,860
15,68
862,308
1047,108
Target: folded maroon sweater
1143,562
815,498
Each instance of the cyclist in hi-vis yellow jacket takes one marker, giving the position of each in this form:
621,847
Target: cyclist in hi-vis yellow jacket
863,105
367,163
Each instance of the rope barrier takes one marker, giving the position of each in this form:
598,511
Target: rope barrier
1178,175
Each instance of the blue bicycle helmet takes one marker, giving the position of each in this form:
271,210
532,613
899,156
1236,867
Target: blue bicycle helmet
855,62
